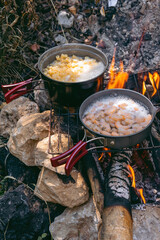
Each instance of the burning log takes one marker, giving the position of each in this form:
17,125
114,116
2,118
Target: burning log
147,155
117,219
156,152
155,133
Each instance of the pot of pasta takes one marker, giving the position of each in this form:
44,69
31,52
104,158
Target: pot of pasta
72,72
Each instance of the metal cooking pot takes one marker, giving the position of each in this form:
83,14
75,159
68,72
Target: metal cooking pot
72,93
73,155
119,142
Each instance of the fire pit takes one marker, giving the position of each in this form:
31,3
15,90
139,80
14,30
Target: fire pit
142,162
139,163
126,178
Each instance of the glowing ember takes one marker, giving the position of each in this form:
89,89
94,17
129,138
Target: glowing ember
154,79
117,80
138,191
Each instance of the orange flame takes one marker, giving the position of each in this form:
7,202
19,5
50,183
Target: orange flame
106,149
144,85
102,154
132,176
117,80
154,79
141,194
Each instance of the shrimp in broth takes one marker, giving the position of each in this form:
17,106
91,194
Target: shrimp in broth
116,116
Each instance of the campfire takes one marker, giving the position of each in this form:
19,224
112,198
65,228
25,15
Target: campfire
84,183
125,176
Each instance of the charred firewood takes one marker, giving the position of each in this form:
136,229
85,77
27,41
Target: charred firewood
143,159
156,152
155,133
117,219
148,156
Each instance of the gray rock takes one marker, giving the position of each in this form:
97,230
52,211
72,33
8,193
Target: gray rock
82,222
42,98
60,39
146,223
13,111
42,155
71,224
69,191
65,19
28,132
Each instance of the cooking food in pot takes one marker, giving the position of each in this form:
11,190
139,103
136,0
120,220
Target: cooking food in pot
116,116
74,68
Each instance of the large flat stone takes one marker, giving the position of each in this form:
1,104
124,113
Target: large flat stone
42,156
146,223
30,129
69,191
13,111
81,222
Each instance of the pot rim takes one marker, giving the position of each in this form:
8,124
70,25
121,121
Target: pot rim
123,136
79,45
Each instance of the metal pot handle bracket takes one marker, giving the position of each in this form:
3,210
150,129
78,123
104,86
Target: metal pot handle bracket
74,154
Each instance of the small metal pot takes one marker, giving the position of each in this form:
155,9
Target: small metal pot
67,93
119,142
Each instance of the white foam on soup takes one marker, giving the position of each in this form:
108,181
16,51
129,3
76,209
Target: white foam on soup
74,68
130,107
90,72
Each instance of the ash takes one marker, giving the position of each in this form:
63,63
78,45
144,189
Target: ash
132,20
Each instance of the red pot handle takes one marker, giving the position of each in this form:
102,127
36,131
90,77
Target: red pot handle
16,90
6,88
59,163
76,155
58,160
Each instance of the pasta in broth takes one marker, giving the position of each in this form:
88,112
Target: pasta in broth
73,69
116,116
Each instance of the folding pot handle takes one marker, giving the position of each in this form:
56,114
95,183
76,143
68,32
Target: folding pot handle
75,157
56,163
16,90
8,87
66,153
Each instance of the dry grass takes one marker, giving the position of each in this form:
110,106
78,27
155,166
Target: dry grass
15,17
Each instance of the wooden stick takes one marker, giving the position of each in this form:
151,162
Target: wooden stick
95,179
96,185
117,224
117,219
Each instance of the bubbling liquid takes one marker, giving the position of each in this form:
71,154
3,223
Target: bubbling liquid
74,69
116,116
